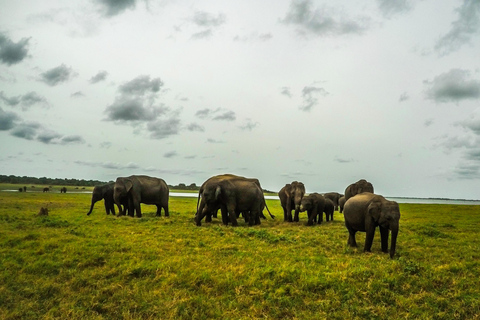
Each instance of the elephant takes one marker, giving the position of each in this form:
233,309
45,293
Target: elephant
46,189
232,196
329,209
141,189
105,192
334,196
341,204
358,187
364,212
290,198
63,190
20,189
25,188
314,204
213,181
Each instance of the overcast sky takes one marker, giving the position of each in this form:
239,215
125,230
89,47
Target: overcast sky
323,92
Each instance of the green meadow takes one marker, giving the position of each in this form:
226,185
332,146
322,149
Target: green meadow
68,265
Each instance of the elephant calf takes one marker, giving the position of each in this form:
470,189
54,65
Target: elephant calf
367,211
314,204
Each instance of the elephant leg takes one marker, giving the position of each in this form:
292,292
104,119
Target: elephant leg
351,238
232,215
208,217
311,217
297,215
165,208
369,238
159,210
107,206
384,239
224,213
138,209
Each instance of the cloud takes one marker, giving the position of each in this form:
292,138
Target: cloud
24,101
343,160
78,94
105,145
140,86
202,34
286,92
195,127
108,165
310,97
226,116
403,97
204,113
110,8
57,75
453,86
131,110
253,37
205,19
26,131
49,137
390,8
249,125
75,139
13,53
209,140
100,76
463,29
161,129
8,120
171,154
322,21
217,114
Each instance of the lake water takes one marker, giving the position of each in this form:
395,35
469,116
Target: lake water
397,199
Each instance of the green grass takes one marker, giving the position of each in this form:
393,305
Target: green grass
72,266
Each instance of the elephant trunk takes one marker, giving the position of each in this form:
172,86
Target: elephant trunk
394,241
91,208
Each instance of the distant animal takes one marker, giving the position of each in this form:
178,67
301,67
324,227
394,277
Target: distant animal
334,196
341,204
367,211
25,189
329,209
291,196
63,190
314,204
46,189
360,186
20,189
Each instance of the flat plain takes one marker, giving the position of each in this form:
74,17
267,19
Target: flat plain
68,265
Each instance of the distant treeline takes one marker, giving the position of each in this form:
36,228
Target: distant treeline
49,181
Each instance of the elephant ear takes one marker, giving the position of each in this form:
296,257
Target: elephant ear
128,185
374,210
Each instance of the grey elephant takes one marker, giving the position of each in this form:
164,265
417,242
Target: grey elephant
358,187
329,209
291,196
105,192
63,190
334,196
367,211
213,181
141,189
232,196
46,189
314,204
341,204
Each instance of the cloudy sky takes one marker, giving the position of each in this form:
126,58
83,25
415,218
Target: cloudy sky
324,92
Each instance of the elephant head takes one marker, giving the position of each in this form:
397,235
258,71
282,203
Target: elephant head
97,195
296,193
387,215
121,190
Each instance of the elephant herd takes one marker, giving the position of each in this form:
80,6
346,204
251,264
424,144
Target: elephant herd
233,195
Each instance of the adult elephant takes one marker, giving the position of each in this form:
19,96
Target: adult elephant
291,196
232,196
46,189
141,189
212,210
341,204
314,204
63,190
364,212
358,187
105,192
334,196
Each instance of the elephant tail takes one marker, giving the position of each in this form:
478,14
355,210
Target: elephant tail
271,215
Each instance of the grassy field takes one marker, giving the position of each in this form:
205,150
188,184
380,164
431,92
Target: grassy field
72,266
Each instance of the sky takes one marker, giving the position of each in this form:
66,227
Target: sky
323,92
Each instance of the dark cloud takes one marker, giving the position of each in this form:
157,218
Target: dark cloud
100,76
24,101
310,97
322,21
140,86
249,125
12,53
390,8
163,128
75,139
57,75
49,137
286,92
112,8
468,170
463,29
205,19
226,116
204,113
195,127
453,86
132,110
26,131
8,120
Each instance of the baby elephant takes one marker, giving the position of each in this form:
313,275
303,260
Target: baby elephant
364,212
314,204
